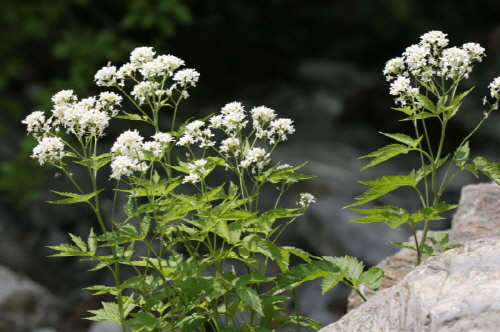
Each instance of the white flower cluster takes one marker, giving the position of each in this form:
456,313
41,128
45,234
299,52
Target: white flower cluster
129,149
85,118
196,169
143,60
306,199
428,59
257,157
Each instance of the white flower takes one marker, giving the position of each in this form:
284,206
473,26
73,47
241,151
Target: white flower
125,71
415,57
170,62
191,178
106,76
163,138
495,88
256,156
455,62
153,68
110,98
64,97
230,144
216,121
187,77
49,149
144,90
306,199
435,37
394,66
233,117
141,55
193,128
186,140
129,143
153,147
198,166
476,52
124,165
196,169
35,122
262,115
92,122
279,129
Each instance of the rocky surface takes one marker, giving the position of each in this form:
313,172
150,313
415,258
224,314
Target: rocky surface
454,292
477,217
24,304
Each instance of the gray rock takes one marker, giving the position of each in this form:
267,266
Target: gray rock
24,304
105,327
477,217
454,292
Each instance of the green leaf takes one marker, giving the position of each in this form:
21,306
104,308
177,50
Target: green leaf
419,116
79,242
330,281
302,273
405,139
75,198
133,117
255,243
382,186
491,170
427,103
428,251
407,110
108,312
406,245
462,154
385,153
95,162
250,298
373,277
432,212
391,215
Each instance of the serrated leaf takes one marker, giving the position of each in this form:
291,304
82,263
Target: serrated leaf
428,251
440,239
79,242
385,153
406,245
302,273
255,243
491,170
407,110
432,212
330,281
462,154
92,241
419,116
75,198
108,312
405,139
373,277
391,215
427,103
250,298
133,117
382,186
352,267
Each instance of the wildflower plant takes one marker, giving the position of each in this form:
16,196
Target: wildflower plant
425,81
200,247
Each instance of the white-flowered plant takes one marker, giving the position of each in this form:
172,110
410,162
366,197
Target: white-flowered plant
199,259
425,80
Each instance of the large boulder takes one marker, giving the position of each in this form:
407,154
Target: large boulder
454,292
24,304
477,217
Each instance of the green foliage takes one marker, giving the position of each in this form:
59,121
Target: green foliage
440,102
205,249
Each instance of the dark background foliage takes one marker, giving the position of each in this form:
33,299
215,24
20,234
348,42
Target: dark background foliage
243,49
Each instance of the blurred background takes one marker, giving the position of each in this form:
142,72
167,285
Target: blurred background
317,62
